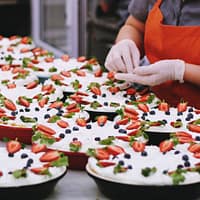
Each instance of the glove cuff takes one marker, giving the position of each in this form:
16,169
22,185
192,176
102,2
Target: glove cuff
179,70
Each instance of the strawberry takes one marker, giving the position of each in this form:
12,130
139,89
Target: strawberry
143,107
176,124
130,91
56,104
43,101
134,125
65,57
13,146
182,106
25,40
62,123
130,110
133,133
114,150
74,110
183,140
194,128
101,120
10,49
24,50
124,138
23,101
2,110
197,155
82,93
123,121
9,105
13,37
81,59
81,122
49,59
32,85
144,98
98,73
40,170
183,134
111,75
95,90
194,148
75,145
138,146
11,85
57,77
71,106
47,87
114,90
49,156
45,129
163,106
105,163
80,73
5,68
66,73
166,145
35,61
101,154
36,148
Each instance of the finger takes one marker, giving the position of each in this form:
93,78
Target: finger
118,63
135,55
126,53
145,70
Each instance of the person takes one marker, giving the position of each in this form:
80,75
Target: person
167,32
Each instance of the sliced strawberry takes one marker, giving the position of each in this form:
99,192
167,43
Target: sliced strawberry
163,106
45,129
11,85
138,146
196,155
130,110
123,121
74,110
24,50
62,123
25,40
183,140
182,106
32,85
82,93
49,156
114,90
143,107
56,77
75,145
47,87
98,73
9,105
66,73
36,148
114,150
13,146
194,128
95,90
101,154
134,125
71,106
81,59
166,145
125,138
40,170
5,68
101,120
144,98
194,147
80,73
81,122
23,101
2,110
105,163
65,57
111,75
10,49
130,91
43,101
133,133
183,134
35,61
49,59
56,104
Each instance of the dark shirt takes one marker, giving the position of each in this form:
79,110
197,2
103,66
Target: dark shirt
175,12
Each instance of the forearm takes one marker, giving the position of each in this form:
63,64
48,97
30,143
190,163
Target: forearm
192,74
134,30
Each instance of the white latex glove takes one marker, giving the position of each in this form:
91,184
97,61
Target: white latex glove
123,57
156,73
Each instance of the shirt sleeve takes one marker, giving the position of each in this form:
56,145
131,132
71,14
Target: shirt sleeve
140,8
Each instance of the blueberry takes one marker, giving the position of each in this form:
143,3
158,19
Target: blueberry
29,162
59,113
88,126
179,113
121,162
190,109
47,116
176,152
144,153
190,115
27,109
185,157
152,112
61,135
127,101
130,167
68,131
143,117
178,120
37,109
187,164
180,166
165,171
145,114
105,103
10,154
103,95
97,138
24,155
116,126
125,95
75,139
164,121
21,110
48,109
13,113
9,172
197,138
167,113
187,119
122,131
94,96
113,93
35,118
133,98
127,156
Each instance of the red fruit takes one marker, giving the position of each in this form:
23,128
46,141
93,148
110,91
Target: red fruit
66,73
101,154
81,122
113,90
183,140
49,59
105,163
193,128
101,120
56,77
24,102
74,110
111,75
24,50
39,170
134,125
13,146
75,145
114,150
133,133
124,138
144,98
82,93
130,110
35,61
36,148
49,156
123,121
11,85
45,129
166,145
81,59
194,148
62,123
47,87
13,37
56,104
182,106
183,134
25,40
143,107
130,91
2,110
197,155
98,73
80,73
95,90
71,106
9,105
138,146
43,101
32,85
65,57
163,106
5,68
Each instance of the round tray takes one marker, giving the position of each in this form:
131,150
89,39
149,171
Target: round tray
32,192
118,190
22,134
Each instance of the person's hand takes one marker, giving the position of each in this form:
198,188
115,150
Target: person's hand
123,57
156,73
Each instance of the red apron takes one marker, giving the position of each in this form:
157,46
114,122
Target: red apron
172,42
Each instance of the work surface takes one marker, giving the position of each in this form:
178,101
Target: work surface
76,185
